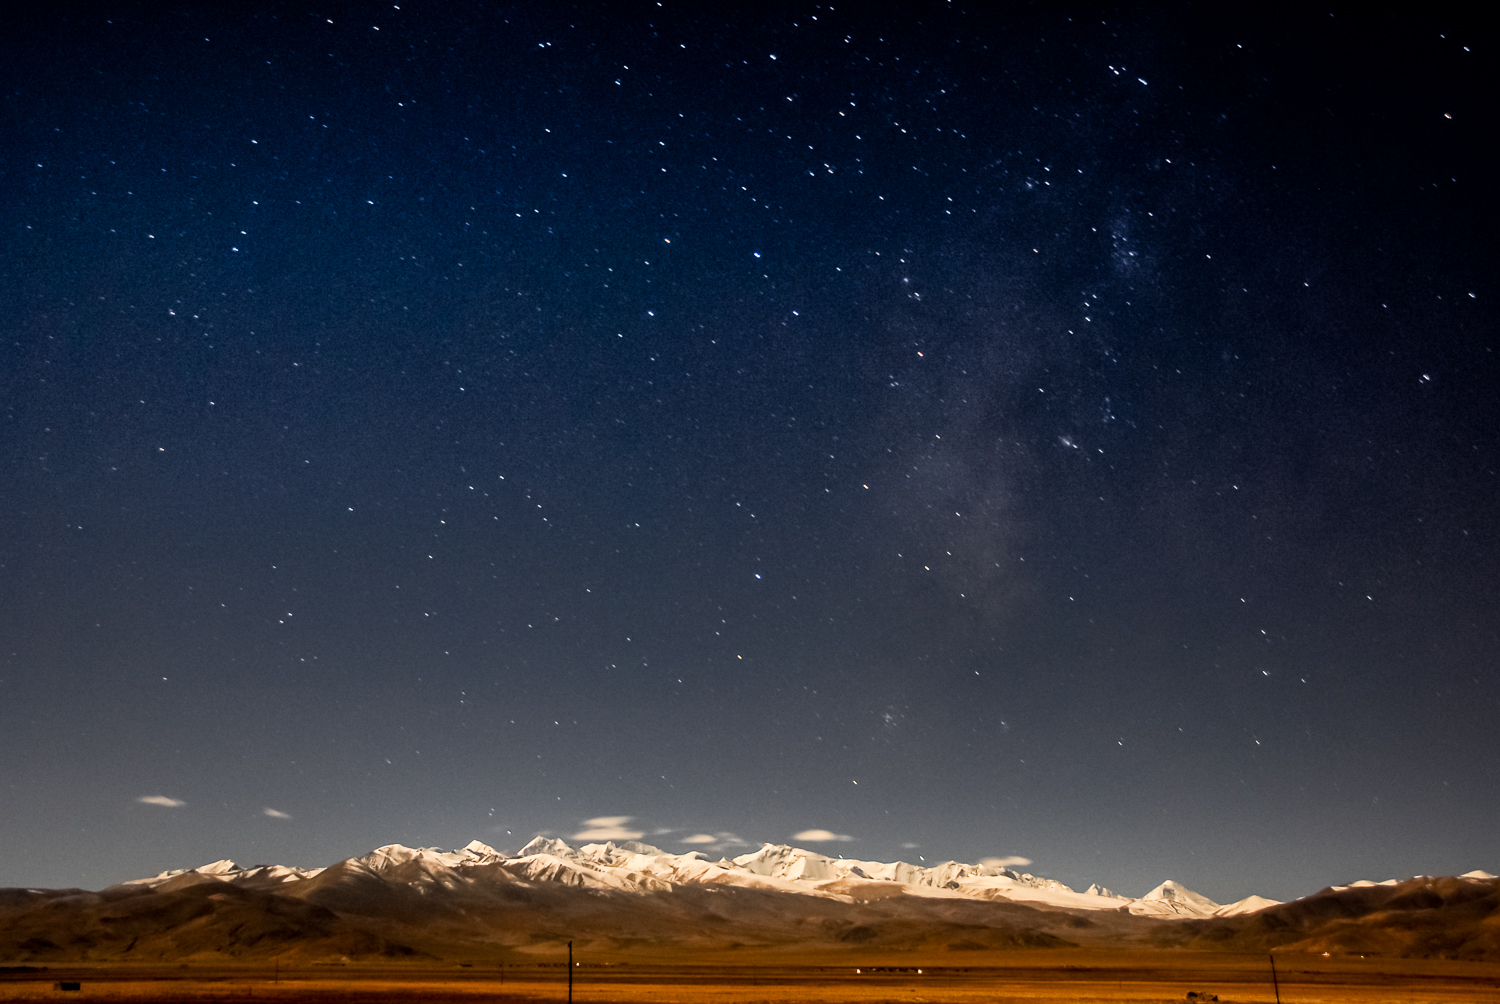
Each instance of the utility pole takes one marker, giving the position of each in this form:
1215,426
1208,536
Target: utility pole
570,975
1275,985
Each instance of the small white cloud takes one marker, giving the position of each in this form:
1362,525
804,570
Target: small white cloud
1014,861
607,821
276,813
910,846
608,828
720,841
162,800
821,836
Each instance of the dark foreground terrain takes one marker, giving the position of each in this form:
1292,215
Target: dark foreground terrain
471,916
935,977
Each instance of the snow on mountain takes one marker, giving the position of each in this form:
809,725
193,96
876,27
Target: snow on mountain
1038,891
477,903
1477,875
278,873
633,867
951,878
545,845
227,871
551,868
1173,900
383,859
1250,904
156,880
634,858
1365,884
781,861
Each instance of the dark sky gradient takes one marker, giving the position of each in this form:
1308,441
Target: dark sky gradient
974,434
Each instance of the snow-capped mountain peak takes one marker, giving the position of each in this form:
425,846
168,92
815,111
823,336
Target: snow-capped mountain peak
783,861
482,853
1171,899
545,845
1250,904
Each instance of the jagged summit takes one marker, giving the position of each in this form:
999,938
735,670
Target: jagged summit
545,845
483,852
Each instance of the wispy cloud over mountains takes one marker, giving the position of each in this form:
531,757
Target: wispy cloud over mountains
608,828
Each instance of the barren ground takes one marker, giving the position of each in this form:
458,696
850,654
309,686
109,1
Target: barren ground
989,977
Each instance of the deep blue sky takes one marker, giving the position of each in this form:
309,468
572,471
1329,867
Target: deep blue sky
973,434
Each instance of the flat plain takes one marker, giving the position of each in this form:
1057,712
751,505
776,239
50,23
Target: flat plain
994,977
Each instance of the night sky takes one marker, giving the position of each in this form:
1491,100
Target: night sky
970,434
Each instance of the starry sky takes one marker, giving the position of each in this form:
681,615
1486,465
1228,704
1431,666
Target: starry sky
953,434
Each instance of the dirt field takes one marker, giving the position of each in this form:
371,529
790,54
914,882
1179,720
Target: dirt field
1054,976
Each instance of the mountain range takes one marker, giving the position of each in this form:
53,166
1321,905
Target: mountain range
631,900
